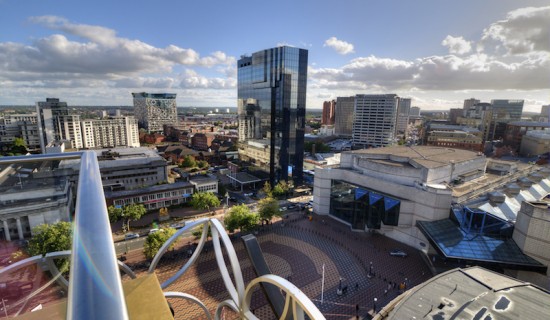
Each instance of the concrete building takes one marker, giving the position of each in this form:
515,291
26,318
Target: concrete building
389,189
403,111
272,105
110,132
453,136
375,120
329,108
50,114
515,131
343,119
22,126
125,168
152,197
154,110
204,183
454,114
28,199
545,113
415,112
468,103
535,142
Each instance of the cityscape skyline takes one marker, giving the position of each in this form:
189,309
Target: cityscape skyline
86,55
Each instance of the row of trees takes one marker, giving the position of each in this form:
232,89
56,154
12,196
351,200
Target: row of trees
131,212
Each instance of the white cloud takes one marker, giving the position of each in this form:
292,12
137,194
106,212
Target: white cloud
342,47
457,45
524,30
191,79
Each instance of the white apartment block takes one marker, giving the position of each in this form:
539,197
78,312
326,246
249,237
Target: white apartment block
403,111
114,132
20,126
374,120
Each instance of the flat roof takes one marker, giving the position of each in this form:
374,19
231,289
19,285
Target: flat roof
243,177
473,293
426,156
151,189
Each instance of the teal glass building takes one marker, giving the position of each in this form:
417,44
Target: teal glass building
272,107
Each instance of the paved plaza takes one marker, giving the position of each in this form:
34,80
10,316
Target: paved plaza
297,251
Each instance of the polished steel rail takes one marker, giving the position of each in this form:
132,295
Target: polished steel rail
95,287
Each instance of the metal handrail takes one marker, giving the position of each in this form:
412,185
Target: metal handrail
95,287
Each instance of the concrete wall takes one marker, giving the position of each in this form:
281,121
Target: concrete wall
532,231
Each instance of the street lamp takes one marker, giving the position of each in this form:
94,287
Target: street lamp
374,306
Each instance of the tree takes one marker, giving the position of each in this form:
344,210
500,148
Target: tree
188,162
51,238
280,188
154,242
267,189
115,213
131,212
19,146
204,200
202,164
240,217
268,208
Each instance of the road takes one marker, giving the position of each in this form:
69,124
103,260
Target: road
135,244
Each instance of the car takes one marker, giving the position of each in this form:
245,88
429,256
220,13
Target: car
292,206
248,194
398,253
281,209
178,225
130,236
232,199
154,230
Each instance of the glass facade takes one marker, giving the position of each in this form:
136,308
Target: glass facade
361,207
272,104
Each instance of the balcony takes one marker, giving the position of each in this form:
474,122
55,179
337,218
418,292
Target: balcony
97,285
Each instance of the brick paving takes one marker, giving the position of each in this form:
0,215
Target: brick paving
297,252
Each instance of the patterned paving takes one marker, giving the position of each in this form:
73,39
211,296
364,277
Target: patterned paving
297,252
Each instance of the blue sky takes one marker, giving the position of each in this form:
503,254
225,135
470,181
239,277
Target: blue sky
436,52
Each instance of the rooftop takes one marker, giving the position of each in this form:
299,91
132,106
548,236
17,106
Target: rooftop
424,156
473,293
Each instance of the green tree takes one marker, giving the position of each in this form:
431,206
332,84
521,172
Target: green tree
115,213
19,146
240,217
188,162
204,200
202,164
267,189
50,238
268,208
281,189
154,242
133,212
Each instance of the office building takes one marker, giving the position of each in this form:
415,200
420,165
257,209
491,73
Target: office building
468,103
343,119
415,112
403,110
50,118
374,120
154,110
271,106
328,112
545,113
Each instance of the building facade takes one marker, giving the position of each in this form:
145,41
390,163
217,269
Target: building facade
343,119
49,114
154,110
403,111
271,106
110,132
329,108
22,126
374,120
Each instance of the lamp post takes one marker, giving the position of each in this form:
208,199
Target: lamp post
374,306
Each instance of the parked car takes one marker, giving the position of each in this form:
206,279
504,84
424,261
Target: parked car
292,206
281,209
154,230
398,253
178,225
130,236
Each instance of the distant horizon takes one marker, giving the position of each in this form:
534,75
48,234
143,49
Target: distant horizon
425,50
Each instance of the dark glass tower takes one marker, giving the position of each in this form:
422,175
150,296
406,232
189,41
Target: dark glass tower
272,107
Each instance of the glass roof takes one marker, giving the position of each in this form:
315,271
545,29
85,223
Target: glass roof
452,242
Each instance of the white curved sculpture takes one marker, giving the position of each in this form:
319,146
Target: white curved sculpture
296,301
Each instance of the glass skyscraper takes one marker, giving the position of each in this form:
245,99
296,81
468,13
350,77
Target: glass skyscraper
272,107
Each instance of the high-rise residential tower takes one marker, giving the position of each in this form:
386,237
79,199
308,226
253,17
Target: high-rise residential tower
403,110
343,119
271,108
328,112
154,110
375,120
51,115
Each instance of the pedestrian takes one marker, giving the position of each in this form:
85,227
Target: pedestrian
385,292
